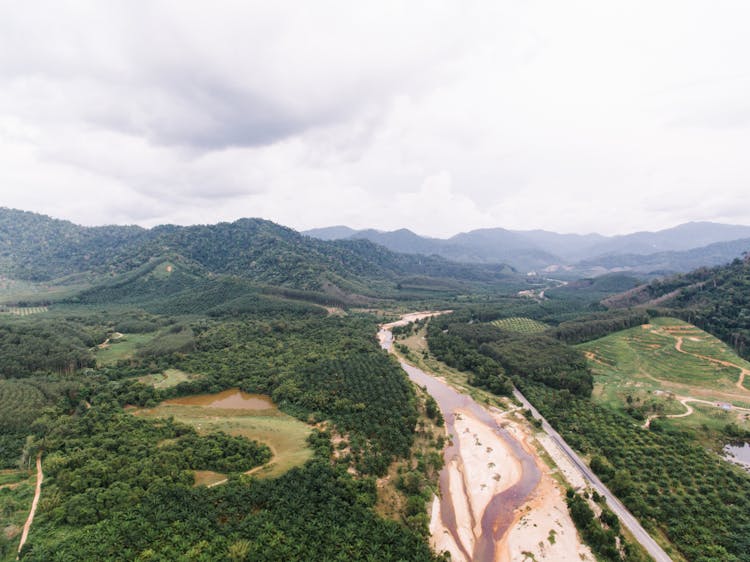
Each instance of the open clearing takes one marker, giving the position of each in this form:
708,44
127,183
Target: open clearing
167,379
674,369
285,435
124,347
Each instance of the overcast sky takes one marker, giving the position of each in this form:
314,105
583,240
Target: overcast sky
436,116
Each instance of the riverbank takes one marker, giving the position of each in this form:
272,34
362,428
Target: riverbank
499,501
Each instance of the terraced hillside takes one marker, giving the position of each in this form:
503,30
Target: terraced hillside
671,368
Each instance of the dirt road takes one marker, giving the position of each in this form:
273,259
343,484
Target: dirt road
34,503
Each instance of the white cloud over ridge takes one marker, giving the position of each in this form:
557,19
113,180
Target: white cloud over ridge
436,116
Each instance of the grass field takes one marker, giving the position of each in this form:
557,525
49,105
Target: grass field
285,435
653,366
16,493
122,348
167,379
520,325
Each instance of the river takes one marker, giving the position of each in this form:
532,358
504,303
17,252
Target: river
499,514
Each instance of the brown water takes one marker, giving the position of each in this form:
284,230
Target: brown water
232,399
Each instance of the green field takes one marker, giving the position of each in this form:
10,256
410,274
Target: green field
653,367
285,435
124,347
167,379
520,325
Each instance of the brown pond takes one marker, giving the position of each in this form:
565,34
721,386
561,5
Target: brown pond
232,399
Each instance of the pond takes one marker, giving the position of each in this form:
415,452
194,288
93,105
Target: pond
232,399
739,454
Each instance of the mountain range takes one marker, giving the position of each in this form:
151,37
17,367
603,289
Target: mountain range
676,249
38,249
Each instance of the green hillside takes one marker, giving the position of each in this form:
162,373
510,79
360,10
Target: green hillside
39,249
716,300
667,356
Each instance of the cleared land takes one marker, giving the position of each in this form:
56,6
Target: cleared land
674,369
167,379
520,325
285,435
124,347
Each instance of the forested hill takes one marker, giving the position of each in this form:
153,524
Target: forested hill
35,247
716,299
38,248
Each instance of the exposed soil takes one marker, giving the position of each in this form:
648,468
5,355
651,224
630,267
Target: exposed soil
34,503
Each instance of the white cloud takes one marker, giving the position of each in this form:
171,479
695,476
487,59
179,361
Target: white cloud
436,116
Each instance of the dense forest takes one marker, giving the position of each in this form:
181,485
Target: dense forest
38,248
493,356
100,460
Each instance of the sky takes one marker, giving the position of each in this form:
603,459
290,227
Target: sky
437,116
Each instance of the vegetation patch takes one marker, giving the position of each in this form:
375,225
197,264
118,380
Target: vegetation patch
15,502
286,436
168,379
22,310
520,325
667,355
121,349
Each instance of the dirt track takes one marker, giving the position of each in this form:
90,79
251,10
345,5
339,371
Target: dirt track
34,503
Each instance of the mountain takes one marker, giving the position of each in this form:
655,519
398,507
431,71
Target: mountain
35,247
660,252
38,248
331,232
486,246
714,254
683,237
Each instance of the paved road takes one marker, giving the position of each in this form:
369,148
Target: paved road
626,518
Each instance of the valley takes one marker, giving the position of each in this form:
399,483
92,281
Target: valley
222,386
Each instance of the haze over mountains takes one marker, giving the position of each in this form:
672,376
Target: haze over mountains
677,249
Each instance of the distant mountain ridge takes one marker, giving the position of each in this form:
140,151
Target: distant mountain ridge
38,248
679,249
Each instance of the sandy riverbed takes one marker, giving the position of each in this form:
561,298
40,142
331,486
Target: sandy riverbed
486,467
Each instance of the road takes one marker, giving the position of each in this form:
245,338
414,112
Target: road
626,518
34,503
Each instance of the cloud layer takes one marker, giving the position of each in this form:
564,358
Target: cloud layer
436,116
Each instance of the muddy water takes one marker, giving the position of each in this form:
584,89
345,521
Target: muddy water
232,399
499,514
